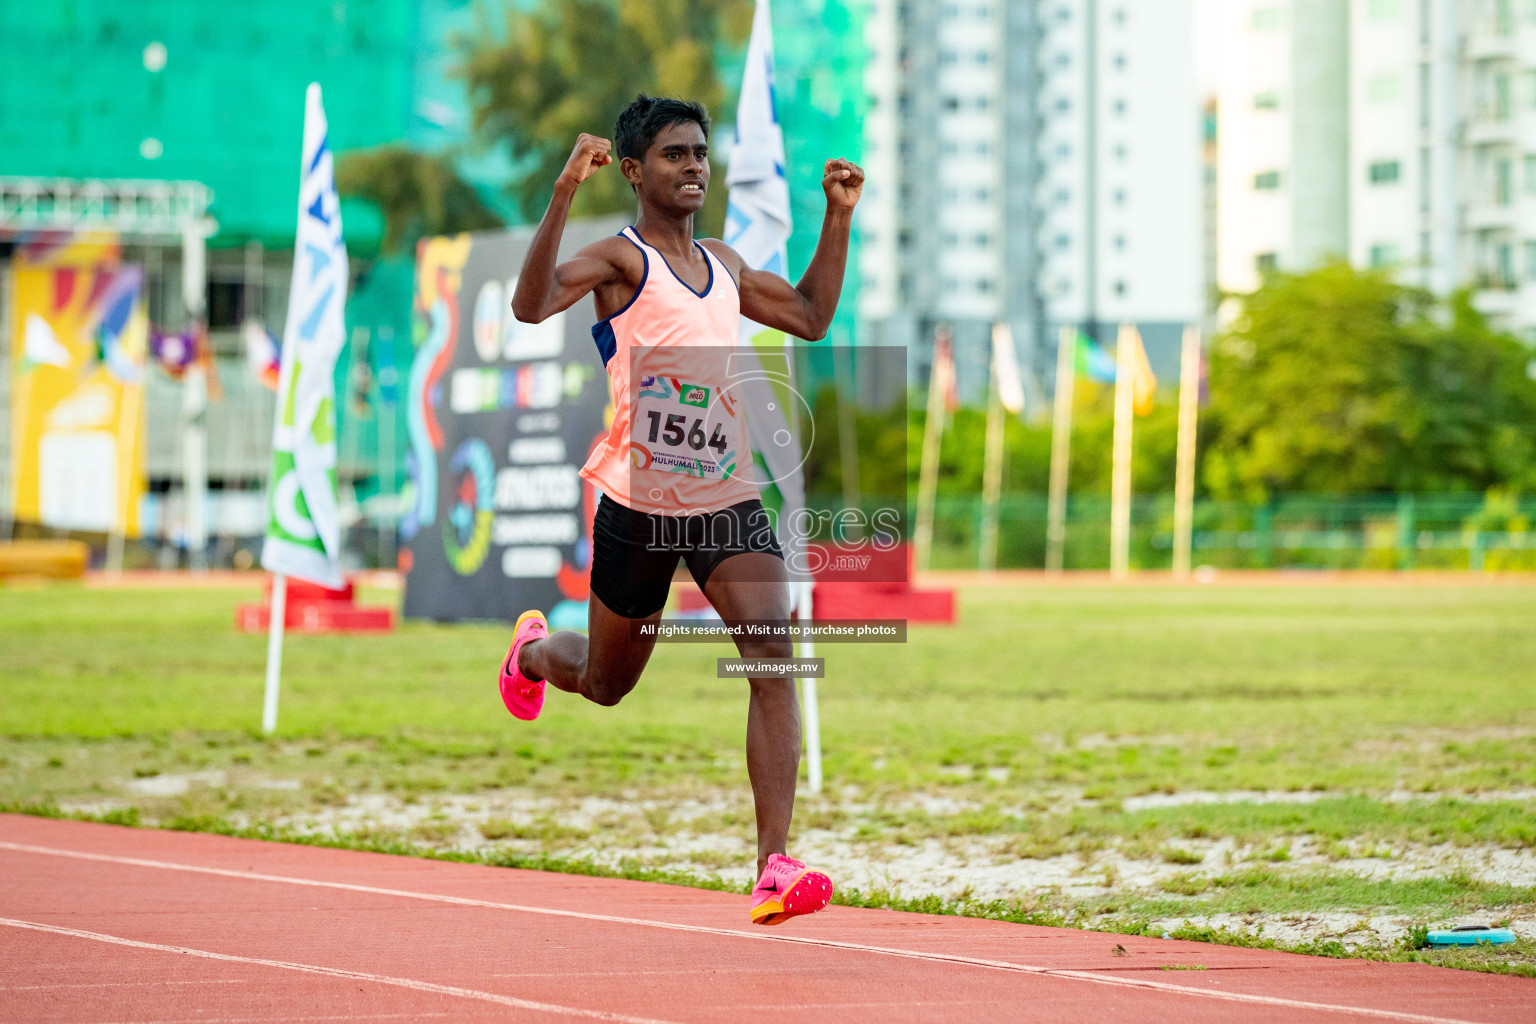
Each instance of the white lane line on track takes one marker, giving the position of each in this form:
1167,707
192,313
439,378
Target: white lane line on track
337,972
760,936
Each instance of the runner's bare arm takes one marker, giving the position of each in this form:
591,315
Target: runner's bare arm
543,288
805,310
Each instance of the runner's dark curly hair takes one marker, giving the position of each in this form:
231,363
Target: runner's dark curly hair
647,117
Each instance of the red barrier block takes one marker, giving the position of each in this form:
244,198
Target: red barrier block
305,592
882,589
311,608
858,601
317,617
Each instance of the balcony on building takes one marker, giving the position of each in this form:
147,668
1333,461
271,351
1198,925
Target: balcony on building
1488,213
1493,31
1492,127
1494,106
1497,277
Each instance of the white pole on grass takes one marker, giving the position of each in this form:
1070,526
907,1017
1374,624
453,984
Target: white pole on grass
1006,393
1184,464
1120,473
811,711
194,397
940,381
279,613
1061,450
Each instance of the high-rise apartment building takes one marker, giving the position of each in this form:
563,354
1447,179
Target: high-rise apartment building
1282,164
1442,112
1397,134
1036,162
1120,144
948,148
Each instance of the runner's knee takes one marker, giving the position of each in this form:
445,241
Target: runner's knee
759,649
776,689
608,690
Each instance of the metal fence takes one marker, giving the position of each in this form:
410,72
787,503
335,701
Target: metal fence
1474,532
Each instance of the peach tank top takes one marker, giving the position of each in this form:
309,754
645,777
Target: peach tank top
678,441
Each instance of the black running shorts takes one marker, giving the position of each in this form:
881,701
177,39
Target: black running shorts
634,554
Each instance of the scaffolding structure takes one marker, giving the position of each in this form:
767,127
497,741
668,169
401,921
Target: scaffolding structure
141,209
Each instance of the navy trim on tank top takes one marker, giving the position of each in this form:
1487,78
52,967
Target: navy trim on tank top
727,270
602,331
707,262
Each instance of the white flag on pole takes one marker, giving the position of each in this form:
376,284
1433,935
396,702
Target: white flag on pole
1005,369
757,219
303,527
757,225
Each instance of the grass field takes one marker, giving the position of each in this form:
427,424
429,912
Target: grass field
1321,766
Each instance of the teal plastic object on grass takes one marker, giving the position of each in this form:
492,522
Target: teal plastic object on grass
1470,935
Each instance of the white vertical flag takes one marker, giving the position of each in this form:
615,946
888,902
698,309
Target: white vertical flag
757,219
303,527
303,522
1005,369
757,225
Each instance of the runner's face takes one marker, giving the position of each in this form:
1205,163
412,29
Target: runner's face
675,173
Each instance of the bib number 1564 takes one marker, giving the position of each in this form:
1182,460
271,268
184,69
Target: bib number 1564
677,429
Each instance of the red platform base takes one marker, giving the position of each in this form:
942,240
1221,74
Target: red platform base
841,593
311,608
870,601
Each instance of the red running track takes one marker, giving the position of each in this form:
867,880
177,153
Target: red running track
103,924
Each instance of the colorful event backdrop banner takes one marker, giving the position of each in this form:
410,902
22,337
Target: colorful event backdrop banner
80,333
501,417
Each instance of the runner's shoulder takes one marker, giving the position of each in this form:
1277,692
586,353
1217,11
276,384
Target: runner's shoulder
620,253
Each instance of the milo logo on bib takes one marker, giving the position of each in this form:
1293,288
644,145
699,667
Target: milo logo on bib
701,444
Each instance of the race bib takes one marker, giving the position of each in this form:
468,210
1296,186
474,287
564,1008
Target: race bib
687,428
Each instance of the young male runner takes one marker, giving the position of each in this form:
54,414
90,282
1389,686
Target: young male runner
669,307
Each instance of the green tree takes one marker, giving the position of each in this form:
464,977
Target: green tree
418,194
1341,381
570,66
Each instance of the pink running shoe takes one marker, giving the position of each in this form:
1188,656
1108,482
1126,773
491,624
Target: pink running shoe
523,697
788,889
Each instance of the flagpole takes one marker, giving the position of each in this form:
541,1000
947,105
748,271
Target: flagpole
1184,472
279,614
806,610
992,467
933,432
1120,479
117,537
760,226
303,535
1061,450
847,428
194,287
803,603
346,465
389,526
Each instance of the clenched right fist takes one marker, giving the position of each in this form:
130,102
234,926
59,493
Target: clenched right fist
590,153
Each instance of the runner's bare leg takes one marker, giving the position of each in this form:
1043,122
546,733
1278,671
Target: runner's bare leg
602,666
754,586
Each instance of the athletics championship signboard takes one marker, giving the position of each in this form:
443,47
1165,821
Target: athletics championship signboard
501,418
